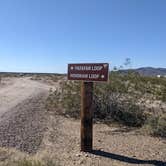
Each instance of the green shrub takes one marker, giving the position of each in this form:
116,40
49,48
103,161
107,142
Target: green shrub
163,94
113,101
110,101
156,125
70,99
67,101
130,115
109,107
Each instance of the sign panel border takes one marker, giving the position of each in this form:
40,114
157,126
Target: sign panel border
88,72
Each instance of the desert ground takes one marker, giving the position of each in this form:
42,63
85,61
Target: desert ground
27,129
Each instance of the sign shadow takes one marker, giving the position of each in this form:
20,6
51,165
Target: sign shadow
127,159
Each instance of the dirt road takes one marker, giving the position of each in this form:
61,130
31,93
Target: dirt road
22,113
19,90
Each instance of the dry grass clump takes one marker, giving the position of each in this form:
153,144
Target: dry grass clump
30,162
12,157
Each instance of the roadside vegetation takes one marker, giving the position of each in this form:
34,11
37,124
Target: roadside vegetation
126,99
28,162
12,157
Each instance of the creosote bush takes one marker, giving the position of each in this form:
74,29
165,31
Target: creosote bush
112,101
156,125
115,101
112,104
66,101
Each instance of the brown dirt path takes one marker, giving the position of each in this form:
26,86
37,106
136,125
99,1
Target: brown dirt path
19,90
22,113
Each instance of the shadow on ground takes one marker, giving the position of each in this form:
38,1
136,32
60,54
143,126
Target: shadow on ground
127,159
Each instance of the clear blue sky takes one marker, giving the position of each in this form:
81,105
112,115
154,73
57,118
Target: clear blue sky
45,35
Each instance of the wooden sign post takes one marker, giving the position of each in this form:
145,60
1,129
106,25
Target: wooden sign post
86,116
88,73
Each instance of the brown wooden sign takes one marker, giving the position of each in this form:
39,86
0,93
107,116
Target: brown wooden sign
88,71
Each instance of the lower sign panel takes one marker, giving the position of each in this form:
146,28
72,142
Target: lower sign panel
88,71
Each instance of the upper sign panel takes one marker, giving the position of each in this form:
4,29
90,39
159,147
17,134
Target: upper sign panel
88,71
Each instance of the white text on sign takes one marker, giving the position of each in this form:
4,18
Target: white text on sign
87,68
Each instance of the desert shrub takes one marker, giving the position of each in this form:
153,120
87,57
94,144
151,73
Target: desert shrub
66,101
114,105
147,85
112,101
130,115
52,101
163,94
71,98
116,100
156,125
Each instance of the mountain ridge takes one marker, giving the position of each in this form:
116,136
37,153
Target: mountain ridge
148,71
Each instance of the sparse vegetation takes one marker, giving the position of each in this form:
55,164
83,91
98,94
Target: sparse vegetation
156,125
47,77
122,100
29,162
26,162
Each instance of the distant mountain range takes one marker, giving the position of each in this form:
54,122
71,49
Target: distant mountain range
144,71
148,71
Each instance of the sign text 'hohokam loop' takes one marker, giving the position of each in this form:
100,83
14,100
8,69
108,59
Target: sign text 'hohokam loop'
88,71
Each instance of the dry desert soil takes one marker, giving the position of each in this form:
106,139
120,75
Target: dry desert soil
27,129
